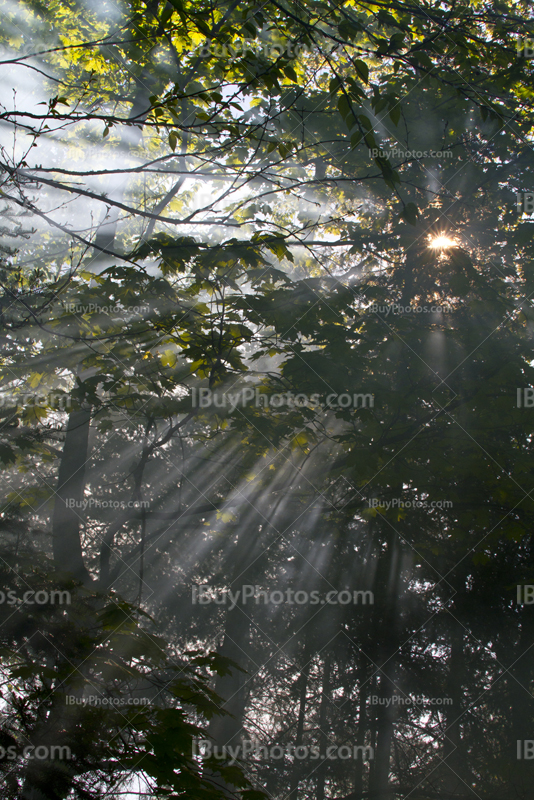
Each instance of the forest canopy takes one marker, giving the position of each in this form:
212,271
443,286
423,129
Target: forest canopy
267,400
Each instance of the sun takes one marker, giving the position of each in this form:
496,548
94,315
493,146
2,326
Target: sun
441,242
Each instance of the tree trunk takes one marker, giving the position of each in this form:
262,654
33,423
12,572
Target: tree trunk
387,588
303,690
454,785
227,730
68,556
323,718
362,728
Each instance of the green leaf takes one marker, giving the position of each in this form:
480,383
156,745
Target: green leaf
291,74
7,454
334,85
168,359
395,113
201,25
423,59
362,69
355,139
348,30
410,213
344,106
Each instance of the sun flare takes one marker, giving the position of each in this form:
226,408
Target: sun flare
441,242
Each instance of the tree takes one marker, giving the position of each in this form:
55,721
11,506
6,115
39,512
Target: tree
243,201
